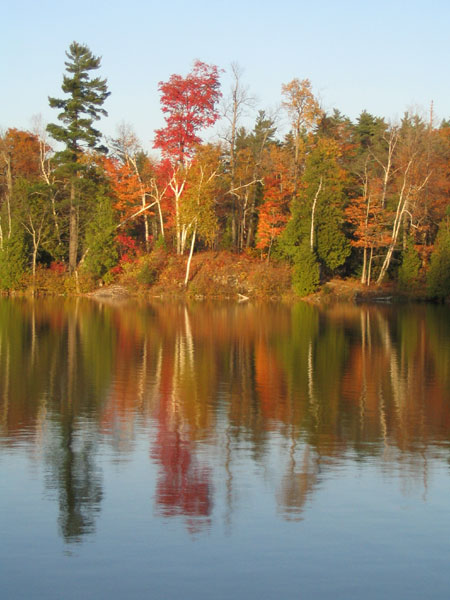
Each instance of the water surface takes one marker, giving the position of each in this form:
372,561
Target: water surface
226,450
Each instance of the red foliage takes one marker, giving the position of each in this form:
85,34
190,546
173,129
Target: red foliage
57,267
189,104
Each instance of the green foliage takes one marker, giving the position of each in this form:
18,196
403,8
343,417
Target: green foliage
321,196
263,133
100,241
438,280
13,257
306,271
410,267
160,243
147,275
332,246
369,130
82,107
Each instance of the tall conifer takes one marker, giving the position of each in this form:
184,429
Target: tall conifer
79,111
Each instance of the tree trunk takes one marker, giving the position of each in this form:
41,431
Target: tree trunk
161,220
73,230
9,189
363,274
191,251
34,259
401,208
146,227
369,270
313,213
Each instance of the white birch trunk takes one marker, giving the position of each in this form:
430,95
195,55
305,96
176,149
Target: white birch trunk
313,213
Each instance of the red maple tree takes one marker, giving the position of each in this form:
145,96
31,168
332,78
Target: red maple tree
189,104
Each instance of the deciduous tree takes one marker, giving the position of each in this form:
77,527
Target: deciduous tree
304,113
190,105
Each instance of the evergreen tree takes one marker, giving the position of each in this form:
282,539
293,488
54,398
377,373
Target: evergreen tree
83,106
409,269
317,217
438,279
369,131
100,240
306,271
13,257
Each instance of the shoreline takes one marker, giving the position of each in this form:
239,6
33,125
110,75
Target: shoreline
219,276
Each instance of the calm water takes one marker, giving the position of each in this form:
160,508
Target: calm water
224,451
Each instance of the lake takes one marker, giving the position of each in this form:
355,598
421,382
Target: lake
224,450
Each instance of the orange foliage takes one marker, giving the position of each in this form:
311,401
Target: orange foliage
22,148
278,190
126,185
368,218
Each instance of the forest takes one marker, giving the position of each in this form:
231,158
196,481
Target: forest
331,199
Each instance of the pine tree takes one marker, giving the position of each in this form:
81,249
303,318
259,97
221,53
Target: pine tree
100,241
83,106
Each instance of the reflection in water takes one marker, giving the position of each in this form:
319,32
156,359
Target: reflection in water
299,481
73,475
214,383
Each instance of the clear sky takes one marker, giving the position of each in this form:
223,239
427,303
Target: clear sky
384,56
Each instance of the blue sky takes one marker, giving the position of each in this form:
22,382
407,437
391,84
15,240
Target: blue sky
385,57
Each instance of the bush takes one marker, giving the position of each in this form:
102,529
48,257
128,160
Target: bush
410,267
79,283
438,279
100,240
269,280
12,259
48,281
306,271
147,275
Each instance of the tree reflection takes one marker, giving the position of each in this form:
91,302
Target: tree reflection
184,487
248,381
76,479
298,482
47,396
72,472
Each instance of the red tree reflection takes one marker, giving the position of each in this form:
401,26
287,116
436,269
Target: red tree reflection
184,487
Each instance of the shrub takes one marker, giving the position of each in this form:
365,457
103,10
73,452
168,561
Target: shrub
12,259
306,271
438,279
147,275
100,240
410,267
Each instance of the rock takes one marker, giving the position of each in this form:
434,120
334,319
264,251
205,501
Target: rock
111,292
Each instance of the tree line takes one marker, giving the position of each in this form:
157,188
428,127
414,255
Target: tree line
366,199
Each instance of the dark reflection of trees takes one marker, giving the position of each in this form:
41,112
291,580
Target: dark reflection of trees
55,362
76,479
